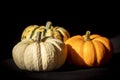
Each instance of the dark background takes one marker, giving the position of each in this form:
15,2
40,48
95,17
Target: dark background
105,24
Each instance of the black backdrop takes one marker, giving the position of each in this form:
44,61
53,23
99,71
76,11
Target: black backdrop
106,25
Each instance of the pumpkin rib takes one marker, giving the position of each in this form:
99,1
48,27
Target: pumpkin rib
56,42
17,57
100,52
58,59
78,37
58,53
106,42
63,31
47,59
59,49
58,35
108,47
94,36
89,53
30,58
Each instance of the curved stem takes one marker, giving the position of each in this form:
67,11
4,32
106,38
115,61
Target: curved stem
87,36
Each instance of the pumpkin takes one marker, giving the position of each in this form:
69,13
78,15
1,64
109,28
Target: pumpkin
89,50
49,30
44,54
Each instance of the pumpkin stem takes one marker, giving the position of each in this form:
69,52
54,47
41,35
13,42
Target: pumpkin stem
48,25
38,37
87,36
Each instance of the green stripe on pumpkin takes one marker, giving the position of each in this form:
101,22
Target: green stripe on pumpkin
32,33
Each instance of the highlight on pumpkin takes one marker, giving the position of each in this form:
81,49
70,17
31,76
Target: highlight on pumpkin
89,50
49,30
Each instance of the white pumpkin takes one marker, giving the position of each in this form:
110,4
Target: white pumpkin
41,55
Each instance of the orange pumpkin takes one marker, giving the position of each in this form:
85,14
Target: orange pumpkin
89,50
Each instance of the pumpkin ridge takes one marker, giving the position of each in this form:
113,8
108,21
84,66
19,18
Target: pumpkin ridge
108,46
95,53
19,63
43,56
107,43
59,34
62,33
61,30
36,56
101,52
56,44
58,53
89,53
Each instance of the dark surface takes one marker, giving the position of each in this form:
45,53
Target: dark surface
103,24
110,71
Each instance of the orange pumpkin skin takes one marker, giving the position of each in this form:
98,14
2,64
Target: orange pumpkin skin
89,50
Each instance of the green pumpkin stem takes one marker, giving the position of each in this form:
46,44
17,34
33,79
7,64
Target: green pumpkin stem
38,36
48,26
87,36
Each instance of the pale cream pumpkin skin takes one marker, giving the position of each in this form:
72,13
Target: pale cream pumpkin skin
49,30
89,50
46,55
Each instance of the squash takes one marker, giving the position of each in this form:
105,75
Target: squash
89,50
49,30
44,54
